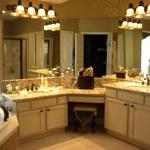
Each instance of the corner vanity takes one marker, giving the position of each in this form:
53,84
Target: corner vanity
43,112
127,112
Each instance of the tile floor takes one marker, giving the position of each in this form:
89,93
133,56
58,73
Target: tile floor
77,141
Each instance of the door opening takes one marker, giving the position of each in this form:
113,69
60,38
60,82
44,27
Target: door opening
95,52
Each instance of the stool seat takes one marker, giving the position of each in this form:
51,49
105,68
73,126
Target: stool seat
86,108
92,109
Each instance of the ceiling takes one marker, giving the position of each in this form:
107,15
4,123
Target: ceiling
81,9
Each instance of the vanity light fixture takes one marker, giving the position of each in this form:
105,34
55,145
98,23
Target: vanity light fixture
31,11
138,12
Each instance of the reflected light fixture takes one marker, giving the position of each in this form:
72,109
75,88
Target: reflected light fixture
130,24
52,26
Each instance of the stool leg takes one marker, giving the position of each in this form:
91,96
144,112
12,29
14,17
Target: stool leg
93,124
76,123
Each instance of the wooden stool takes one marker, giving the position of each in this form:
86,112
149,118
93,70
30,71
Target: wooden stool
85,108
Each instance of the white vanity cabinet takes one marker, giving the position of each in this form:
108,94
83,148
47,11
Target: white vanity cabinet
40,115
127,114
139,123
56,117
116,116
31,122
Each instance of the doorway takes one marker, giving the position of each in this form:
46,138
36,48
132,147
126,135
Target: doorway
95,53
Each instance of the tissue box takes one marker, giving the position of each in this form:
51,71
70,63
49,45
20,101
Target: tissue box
85,82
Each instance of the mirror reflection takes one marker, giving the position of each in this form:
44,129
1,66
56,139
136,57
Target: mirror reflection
27,47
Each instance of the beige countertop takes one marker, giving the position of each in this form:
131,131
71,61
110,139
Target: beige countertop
55,92
129,86
9,129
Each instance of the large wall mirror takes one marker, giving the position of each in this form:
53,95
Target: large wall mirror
27,46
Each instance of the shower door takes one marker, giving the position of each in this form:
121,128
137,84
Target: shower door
14,58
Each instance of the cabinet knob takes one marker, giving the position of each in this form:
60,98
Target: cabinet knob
125,104
48,109
41,110
132,105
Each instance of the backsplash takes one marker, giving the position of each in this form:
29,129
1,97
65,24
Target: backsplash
24,83
51,82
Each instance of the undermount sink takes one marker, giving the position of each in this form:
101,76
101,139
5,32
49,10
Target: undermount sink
49,89
41,89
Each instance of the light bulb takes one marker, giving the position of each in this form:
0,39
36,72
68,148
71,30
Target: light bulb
130,11
31,9
45,27
20,8
41,11
50,27
51,12
57,26
140,10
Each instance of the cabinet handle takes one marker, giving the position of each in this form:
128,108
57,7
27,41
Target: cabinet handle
132,105
125,104
48,109
41,110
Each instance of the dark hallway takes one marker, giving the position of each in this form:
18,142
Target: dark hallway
95,53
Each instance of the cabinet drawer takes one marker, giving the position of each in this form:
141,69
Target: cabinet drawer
23,106
43,103
111,93
147,100
86,99
131,97
62,100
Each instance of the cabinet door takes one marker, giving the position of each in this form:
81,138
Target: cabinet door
139,123
56,117
31,122
116,113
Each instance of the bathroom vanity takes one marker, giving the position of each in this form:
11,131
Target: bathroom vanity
127,112
42,112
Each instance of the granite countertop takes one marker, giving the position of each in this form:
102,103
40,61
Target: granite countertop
129,86
55,92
